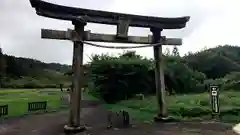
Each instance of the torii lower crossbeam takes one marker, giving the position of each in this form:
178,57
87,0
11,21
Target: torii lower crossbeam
88,36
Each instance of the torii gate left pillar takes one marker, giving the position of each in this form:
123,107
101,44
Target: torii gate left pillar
74,123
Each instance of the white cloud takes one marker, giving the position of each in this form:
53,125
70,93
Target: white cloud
212,23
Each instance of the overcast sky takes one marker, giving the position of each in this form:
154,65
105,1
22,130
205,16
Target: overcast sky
212,23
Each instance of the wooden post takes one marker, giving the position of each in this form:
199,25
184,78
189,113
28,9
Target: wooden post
214,96
77,66
159,75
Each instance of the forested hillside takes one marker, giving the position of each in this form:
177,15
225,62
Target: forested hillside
191,73
215,62
114,78
24,72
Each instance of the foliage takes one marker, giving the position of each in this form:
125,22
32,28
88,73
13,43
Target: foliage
231,81
112,76
26,67
215,62
2,67
29,82
28,73
118,78
175,51
189,74
191,106
180,78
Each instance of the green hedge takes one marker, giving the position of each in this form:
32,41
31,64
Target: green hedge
28,82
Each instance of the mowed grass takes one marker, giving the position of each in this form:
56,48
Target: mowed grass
188,107
18,99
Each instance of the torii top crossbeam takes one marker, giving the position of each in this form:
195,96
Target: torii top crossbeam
94,16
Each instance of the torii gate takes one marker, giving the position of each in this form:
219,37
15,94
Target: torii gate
80,17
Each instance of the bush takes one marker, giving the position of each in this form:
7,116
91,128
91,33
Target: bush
119,78
180,78
28,82
231,81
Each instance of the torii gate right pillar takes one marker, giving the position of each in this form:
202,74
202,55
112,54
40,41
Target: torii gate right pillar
159,76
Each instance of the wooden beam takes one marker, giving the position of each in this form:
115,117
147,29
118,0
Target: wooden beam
96,16
88,36
122,28
159,76
54,34
113,39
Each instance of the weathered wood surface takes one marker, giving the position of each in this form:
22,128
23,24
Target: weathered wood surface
159,75
77,66
3,110
35,106
122,28
55,34
88,36
95,16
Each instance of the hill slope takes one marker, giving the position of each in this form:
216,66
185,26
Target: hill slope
26,73
215,62
23,72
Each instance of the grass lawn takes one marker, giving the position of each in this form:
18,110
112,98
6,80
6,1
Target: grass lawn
17,99
194,106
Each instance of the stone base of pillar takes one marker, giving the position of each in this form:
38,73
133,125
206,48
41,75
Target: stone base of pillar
164,119
74,129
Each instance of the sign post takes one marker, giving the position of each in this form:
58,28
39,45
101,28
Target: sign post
214,93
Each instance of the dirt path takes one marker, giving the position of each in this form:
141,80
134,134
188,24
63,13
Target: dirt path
45,124
35,124
97,126
95,118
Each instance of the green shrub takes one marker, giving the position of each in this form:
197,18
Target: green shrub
118,78
28,82
231,81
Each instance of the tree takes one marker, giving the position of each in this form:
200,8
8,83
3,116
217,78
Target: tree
167,52
175,51
204,48
130,55
2,67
